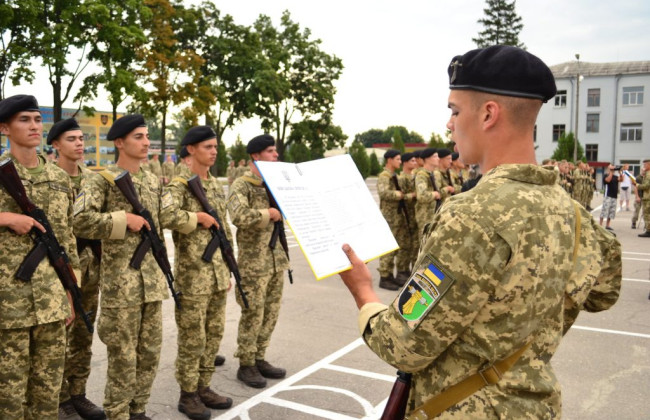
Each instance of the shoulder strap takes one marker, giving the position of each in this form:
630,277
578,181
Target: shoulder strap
180,179
253,181
107,176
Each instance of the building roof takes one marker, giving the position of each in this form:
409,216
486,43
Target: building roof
570,69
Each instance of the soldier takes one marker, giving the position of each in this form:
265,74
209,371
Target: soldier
34,313
241,169
444,164
167,169
427,187
68,140
457,173
500,277
183,167
407,182
203,285
638,197
230,172
260,265
392,202
155,167
130,320
645,189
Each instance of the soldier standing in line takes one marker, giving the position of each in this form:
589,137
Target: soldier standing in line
155,167
407,182
638,198
456,173
427,187
261,266
392,203
130,321
168,169
230,172
644,188
203,285
500,278
183,167
34,313
444,163
241,169
68,140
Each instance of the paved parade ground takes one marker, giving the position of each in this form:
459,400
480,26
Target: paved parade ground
603,363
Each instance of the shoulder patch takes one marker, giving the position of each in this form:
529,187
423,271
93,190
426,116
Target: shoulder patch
422,292
166,200
233,203
79,203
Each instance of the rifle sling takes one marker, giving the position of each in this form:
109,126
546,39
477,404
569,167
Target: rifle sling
489,375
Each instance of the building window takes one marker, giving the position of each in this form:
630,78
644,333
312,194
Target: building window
558,131
593,97
635,166
631,132
633,95
593,123
560,98
591,152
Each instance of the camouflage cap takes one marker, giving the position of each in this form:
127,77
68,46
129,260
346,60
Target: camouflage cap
15,104
60,128
502,70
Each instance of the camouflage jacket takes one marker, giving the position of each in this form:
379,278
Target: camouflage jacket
407,183
426,203
445,181
248,206
100,213
389,196
182,170
179,207
644,188
41,300
488,282
86,255
168,170
155,167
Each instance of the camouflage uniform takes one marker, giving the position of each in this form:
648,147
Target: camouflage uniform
644,188
130,322
426,204
486,283
182,170
261,267
389,199
445,181
155,167
407,182
456,180
168,170
79,348
203,286
32,327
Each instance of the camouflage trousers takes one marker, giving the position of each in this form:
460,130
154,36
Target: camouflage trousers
79,348
200,322
31,368
646,213
258,321
133,338
413,238
400,257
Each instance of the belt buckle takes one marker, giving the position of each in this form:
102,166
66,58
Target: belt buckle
485,370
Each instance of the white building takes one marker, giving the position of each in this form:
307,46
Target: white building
612,112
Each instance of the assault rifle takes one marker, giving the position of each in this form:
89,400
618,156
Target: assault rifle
278,231
46,243
402,203
219,238
396,404
150,238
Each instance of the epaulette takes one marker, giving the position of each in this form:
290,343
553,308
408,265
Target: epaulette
108,177
253,181
180,179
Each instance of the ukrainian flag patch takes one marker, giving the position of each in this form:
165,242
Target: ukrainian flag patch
422,292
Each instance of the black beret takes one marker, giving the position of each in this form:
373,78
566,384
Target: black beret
428,152
418,154
184,153
60,128
198,134
15,104
259,143
124,125
407,156
502,70
391,153
454,156
442,153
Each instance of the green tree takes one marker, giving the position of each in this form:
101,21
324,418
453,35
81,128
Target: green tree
360,157
298,152
375,167
501,25
372,136
318,136
297,80
237,151
222,160
564,149
398,144
16,19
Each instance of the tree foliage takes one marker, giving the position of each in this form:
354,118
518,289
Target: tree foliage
501,25
360,157
317,135
237,151
375,167
388,135
298,152
221,165
564,149
16,19
372,136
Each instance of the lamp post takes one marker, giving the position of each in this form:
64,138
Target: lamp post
575,137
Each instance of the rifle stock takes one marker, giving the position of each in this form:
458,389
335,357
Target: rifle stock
150,238
398,398
219,237
45,242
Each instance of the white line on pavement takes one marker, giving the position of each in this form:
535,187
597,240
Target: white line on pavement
639,280
358,372
611,331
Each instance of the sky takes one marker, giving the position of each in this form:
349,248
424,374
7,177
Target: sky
395,54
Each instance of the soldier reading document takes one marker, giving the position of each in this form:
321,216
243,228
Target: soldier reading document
326,204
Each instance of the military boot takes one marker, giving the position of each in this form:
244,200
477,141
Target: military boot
213,400
251,376
86,408
67,411
401,278
269,371
388,282
191,405
219,360
139,416
645,234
